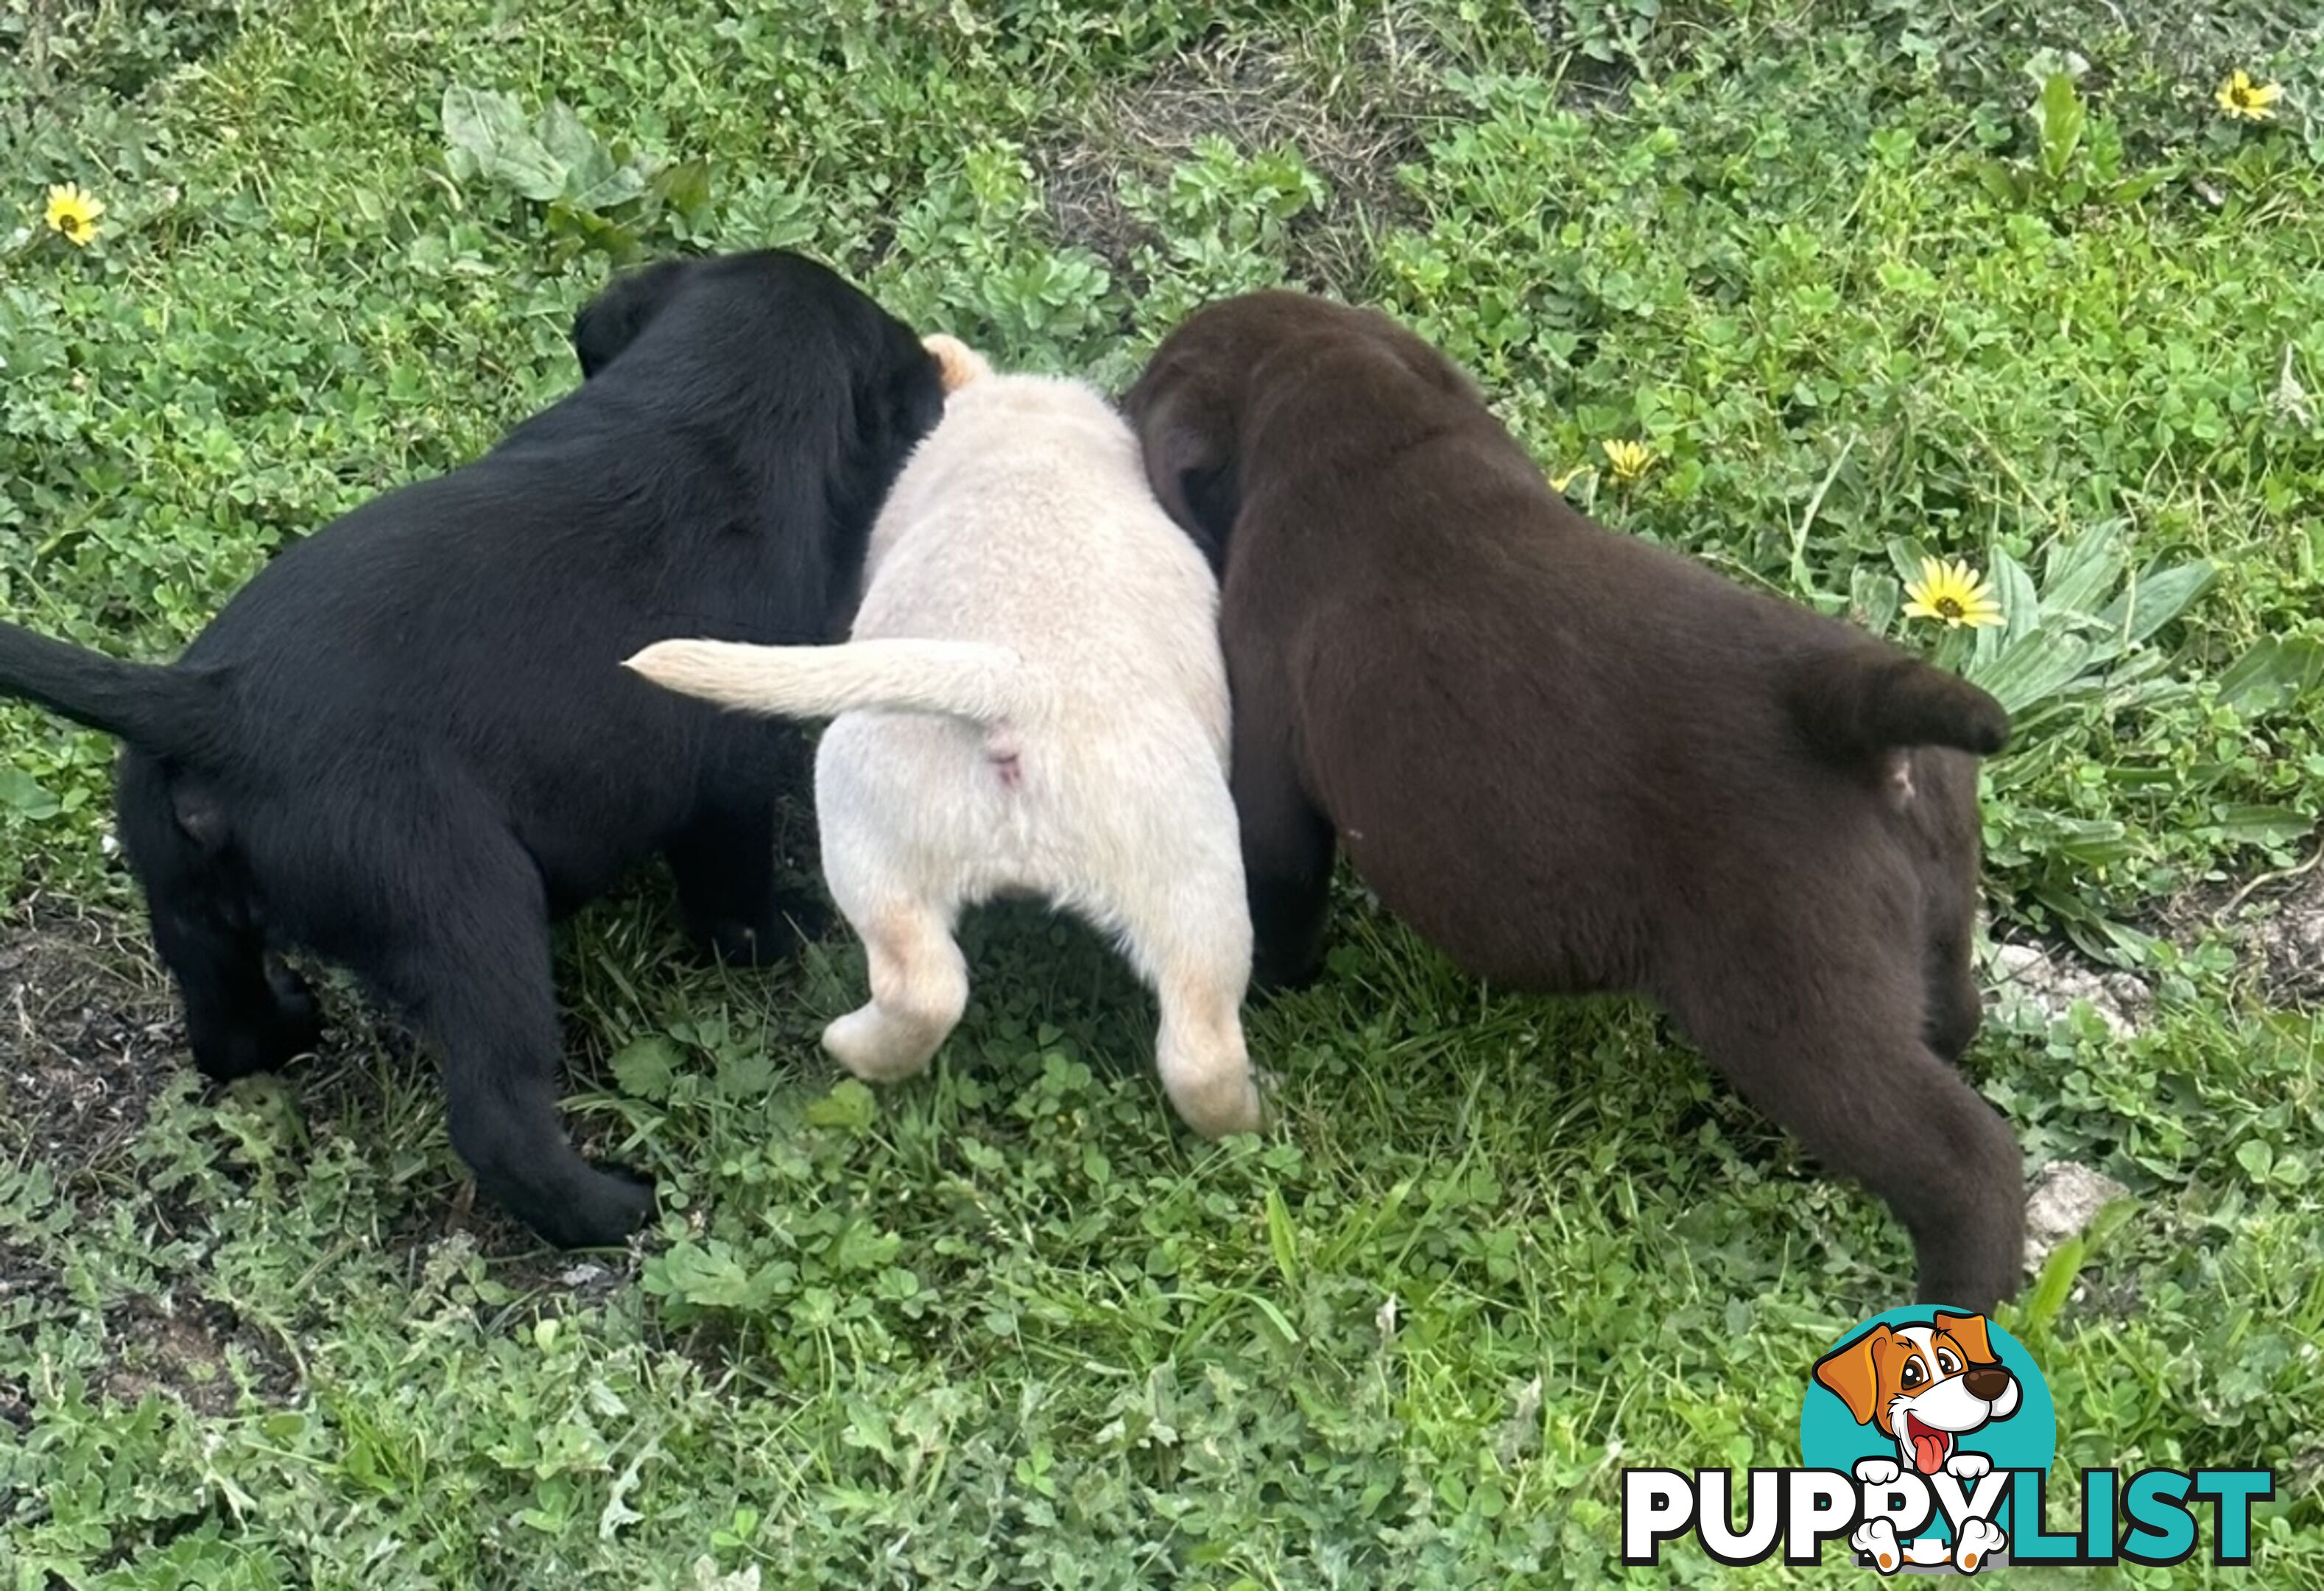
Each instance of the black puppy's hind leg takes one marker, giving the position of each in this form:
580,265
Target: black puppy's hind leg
725,865
479,986
245,1011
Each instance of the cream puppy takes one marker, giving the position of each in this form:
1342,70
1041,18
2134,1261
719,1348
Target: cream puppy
1032,701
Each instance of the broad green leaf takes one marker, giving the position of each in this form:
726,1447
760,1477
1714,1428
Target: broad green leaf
647,1067
685,187
1906,555
488,132
2277,669
2097,843
2153,600
1874,599
593,180
710,1275
2021,607
849,1104
2033,669
21,792
2264,825
2061,123
611,238
561,131
2082,568
745,1075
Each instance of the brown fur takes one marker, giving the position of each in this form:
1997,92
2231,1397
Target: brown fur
1578,762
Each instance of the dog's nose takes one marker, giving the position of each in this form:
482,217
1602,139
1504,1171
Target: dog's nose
1985,1383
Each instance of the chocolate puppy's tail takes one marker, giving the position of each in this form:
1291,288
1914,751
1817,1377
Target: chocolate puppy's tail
958,679
169,710
1866,701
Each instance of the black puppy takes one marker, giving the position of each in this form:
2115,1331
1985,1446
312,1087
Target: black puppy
408,745
1579,762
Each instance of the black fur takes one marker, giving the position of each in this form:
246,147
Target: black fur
408,745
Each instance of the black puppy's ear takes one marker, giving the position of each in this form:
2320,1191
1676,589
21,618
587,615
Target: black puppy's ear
1189,461
612,320
904,403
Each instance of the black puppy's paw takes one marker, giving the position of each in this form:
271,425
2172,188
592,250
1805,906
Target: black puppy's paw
605,1208
297,1026
260,1037
795,922
1275,975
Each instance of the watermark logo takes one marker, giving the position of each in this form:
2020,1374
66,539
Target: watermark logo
1926,1438
1930,1414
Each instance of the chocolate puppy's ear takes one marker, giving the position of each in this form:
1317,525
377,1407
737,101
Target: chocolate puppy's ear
1189,461
612,320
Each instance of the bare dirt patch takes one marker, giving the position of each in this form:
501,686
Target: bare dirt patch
1353,124
2282,932
2276,923
89,1032
198,1352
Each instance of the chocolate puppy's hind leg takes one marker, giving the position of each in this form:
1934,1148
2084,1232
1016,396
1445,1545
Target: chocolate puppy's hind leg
1288,849
1840,1062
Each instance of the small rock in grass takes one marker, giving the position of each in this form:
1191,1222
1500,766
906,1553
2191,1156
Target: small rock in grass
2027,975
2064,1198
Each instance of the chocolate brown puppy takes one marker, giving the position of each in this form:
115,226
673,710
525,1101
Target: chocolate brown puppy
1581,762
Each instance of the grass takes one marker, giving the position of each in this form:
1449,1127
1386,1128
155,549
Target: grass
1870,279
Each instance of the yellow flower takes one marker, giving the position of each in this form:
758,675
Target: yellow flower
2240,97
1558,483
74,214
1630,459
1953,593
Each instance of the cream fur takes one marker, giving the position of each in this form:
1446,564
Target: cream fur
1032,700
957,364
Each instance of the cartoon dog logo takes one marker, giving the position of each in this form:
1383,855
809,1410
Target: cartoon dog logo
1925,1386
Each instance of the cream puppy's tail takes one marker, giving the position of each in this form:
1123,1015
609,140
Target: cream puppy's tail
958,679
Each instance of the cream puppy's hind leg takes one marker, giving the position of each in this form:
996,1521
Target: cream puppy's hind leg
919,988
1199,1052
1189,934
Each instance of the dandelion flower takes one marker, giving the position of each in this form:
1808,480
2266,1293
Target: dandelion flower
2255,102
74,213
1952,594
1630,459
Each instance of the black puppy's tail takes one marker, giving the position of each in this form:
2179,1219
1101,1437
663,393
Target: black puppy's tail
1866,701
170,711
